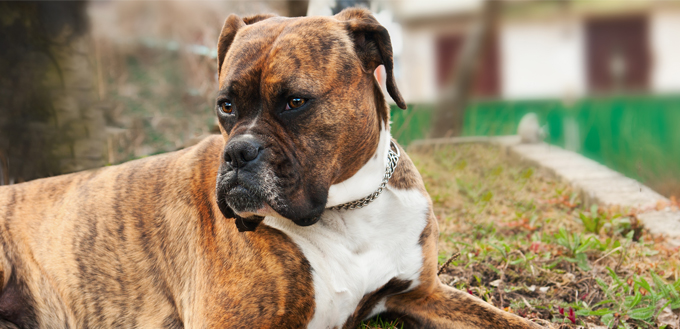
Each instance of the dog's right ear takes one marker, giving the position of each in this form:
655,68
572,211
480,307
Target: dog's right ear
231,25
373,46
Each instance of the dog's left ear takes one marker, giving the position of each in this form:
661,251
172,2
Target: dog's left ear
231,25
373,46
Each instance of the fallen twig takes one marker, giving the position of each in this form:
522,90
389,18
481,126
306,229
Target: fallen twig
607,254
448,261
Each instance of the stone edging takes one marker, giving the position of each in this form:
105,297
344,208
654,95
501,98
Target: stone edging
595,183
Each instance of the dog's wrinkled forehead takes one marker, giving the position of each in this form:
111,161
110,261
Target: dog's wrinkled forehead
266,51
289,51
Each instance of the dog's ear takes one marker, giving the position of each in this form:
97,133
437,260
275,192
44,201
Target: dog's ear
373,46
256,18
231,25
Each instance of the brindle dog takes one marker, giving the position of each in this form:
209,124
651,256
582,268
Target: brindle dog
152,243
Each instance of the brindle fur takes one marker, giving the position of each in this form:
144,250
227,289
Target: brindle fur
145,244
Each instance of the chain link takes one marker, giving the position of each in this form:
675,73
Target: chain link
392,161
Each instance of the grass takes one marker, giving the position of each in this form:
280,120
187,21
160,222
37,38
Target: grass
521,240
379,323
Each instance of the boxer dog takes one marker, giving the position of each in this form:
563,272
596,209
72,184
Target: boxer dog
303,213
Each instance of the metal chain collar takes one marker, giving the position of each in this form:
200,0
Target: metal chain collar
392,160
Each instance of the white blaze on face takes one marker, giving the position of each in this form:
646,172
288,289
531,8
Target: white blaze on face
355,252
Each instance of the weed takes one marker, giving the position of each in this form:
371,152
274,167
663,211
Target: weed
594,222
577,246
380,323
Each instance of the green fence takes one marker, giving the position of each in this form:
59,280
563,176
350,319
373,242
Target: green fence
638,136
412,123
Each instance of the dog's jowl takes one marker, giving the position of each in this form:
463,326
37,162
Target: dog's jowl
303,213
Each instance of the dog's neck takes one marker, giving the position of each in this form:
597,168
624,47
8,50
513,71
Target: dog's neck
355,252
367,179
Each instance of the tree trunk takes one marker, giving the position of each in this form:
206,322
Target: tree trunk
450,108
49,124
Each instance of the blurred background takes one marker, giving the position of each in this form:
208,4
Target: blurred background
88,84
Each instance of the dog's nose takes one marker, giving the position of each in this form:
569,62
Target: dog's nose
242,150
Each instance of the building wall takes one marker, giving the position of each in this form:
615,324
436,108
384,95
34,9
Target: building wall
665,46
540,55
416,72
547,59
428,9
542,58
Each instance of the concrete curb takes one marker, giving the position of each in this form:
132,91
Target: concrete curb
595,183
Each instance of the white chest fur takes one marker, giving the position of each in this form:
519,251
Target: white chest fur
355,252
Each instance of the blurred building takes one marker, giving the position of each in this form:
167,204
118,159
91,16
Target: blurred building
544,49
602,76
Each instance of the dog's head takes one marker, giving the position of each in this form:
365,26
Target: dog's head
299,109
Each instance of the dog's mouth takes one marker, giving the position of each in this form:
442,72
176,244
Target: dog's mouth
239,202
242,199
249,201
240,193
251,188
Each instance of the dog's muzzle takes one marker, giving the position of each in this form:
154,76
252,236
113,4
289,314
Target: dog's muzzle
240,181
248,185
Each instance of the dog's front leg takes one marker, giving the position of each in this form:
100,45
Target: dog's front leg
446,307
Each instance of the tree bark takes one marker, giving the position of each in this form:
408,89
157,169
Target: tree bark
48,122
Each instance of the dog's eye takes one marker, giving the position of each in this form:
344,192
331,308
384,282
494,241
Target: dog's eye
295,102
226,108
